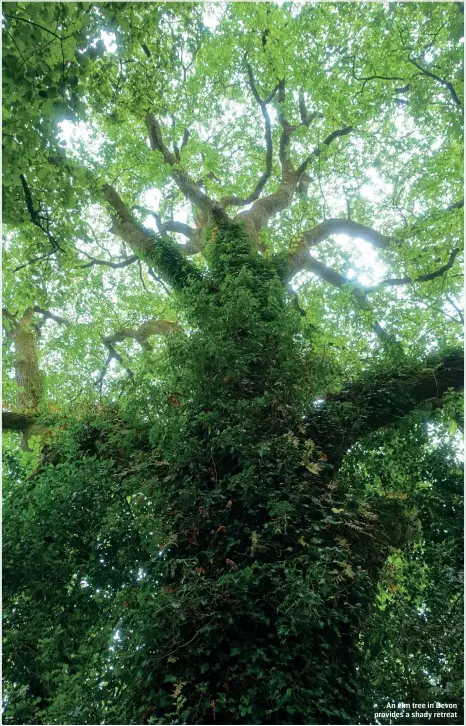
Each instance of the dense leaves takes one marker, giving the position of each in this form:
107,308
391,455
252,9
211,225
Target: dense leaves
232,345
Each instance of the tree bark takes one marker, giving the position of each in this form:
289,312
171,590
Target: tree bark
157,251
13,421
374,401
28,376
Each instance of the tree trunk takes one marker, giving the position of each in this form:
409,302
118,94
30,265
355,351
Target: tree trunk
268,574
258,567
27,373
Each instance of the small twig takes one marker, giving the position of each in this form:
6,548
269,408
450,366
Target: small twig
37,25
114,265
158,279
36,259
452,303
140,276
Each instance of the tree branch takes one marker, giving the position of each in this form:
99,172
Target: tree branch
255,194
326,229
188,186
51,316
157,251
113,354
460,312
421,278
263,209
311,238
143,332
326,142
141,335
338,280
375,76
442,81
114,265
306,118
36,217
376,401
37,25
12,421
170,226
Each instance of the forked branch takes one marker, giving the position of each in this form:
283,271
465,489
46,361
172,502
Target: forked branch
327,228
311,238
146,330
306,118
39,219
266,207
188,186
141,335
159,252
255,194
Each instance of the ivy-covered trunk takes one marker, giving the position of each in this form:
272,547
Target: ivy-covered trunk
213,556
241,507
251,606
264,575
212,527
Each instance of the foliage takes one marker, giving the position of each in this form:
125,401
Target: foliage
418,619
253,516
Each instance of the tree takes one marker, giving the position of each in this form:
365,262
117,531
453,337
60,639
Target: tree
238,403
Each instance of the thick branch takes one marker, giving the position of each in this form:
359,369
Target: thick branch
298,257
144,331
263,209
456,205
12,421
376,401
189,248
107,263
285,137
190,189
158,252
326,229
170,226
326,142
140,335
442,81
178,227
306,118
51,316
